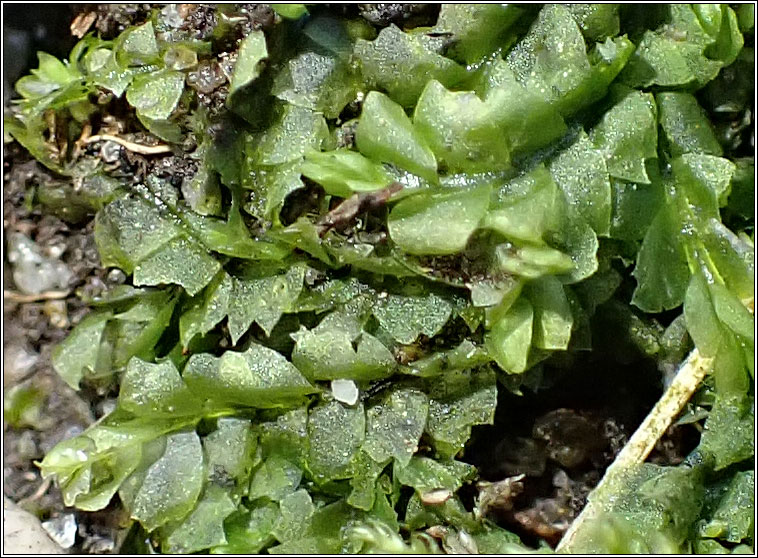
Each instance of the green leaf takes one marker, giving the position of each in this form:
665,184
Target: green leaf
335,432
462,131
425,474
509,339
249,531
229,452
553,320
479,29
394,425
401,64
155,390
458,401
275,479
251,53
259,377
319,81
290,11
685,124
77,355
597,21
172,484
180,261
295,132
137,46
730,430
405,317
263,297
627,136
296,510
385,134
343,172
662,272
733,520
128,230
335,349
581,174
204,527
212,307
551,59
438,222
156,95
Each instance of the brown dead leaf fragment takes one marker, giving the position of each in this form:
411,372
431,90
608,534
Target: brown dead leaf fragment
82,23
345,213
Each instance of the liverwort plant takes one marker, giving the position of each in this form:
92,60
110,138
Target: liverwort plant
431,214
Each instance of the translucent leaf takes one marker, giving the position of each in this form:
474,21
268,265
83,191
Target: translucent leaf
259,377
208,311
252,52
462,131
479,29
249,531
343,172
394,425
581,174
407,317
734,518
179,261
685,124
129,229
730,430
401,64
662,272
294,132
229,452
204,527
156,95
335,433
458,401
509,339
172,484
438,222
276,478
385,133
137,46
336,350
425,474
627,135
553,320
262,298
155,390
290,11
597,21
77,354
296,511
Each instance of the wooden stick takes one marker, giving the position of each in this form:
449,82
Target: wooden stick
131,146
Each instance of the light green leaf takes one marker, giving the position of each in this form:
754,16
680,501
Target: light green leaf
385,134
509,339
552,314
260,377
296,510
251,53
394,425
156,95
407,317
438,222
77,355
401,64
155,390
335,433
172,484
627,136
204,527
343,172
179,261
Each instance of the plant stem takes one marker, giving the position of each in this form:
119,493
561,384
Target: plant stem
640,445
